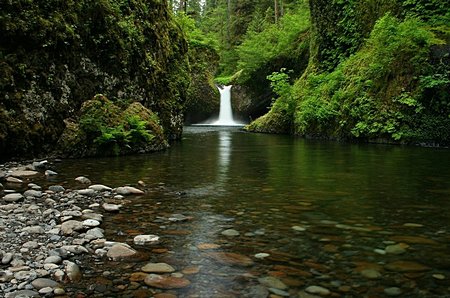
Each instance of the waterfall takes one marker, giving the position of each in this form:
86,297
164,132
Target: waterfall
226,113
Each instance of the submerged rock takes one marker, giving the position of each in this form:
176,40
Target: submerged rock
230,258
158,268
146,239
166,282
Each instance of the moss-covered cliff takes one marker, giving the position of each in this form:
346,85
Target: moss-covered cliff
203,99
55,55
378,70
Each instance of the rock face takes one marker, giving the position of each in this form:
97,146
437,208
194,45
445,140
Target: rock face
203,99
47,73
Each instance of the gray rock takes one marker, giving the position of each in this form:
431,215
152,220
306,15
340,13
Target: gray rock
13,197
23,294
91,223
128,190
59,291
111,207
30,244
83,180
33,193
50,173
75,249
396,249
100,187
97,233
41,283
317,290
53,260
34,230
70,226
13,180
46,291
7,258
120,251
56,188
24,174
73,271
146,239
230,233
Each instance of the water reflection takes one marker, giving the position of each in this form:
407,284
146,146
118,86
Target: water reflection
224,155
346,202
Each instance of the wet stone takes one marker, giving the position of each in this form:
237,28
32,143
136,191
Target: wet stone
56,188
146,239
119,251
230,233
158,268
393,291
230,258
317,290
406,266
272,282
13,197
128,190
371,274
40,283
166,282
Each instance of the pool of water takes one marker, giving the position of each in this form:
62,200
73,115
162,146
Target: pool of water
360,220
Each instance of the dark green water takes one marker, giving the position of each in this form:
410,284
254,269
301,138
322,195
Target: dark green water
349,199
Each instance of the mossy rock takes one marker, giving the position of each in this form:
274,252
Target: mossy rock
104,129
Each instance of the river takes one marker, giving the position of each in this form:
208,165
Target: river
358,220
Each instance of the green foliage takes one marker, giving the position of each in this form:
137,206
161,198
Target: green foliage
132,133
377,92
274,40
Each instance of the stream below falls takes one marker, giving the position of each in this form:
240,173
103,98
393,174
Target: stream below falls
301,218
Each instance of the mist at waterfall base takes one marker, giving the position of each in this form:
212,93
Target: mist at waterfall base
225,112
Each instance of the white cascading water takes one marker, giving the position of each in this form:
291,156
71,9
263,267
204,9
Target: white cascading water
225,113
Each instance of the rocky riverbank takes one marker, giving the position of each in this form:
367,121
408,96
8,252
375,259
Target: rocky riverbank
45,230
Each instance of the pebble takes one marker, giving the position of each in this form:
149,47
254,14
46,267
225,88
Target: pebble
158,268
83,180
230,233
72,271
100,187
393,291
13,180
128,190
272,282
56,188
86,192
317,290
41,283
111,207
120,251
53,260
298,228
371,273
439,276
24,173
166,282
50,173
262,255
92,223
146,239
13,197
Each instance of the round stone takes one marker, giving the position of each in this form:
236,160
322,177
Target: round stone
230,233
317,290
158,268
393,291
146,239
41,283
